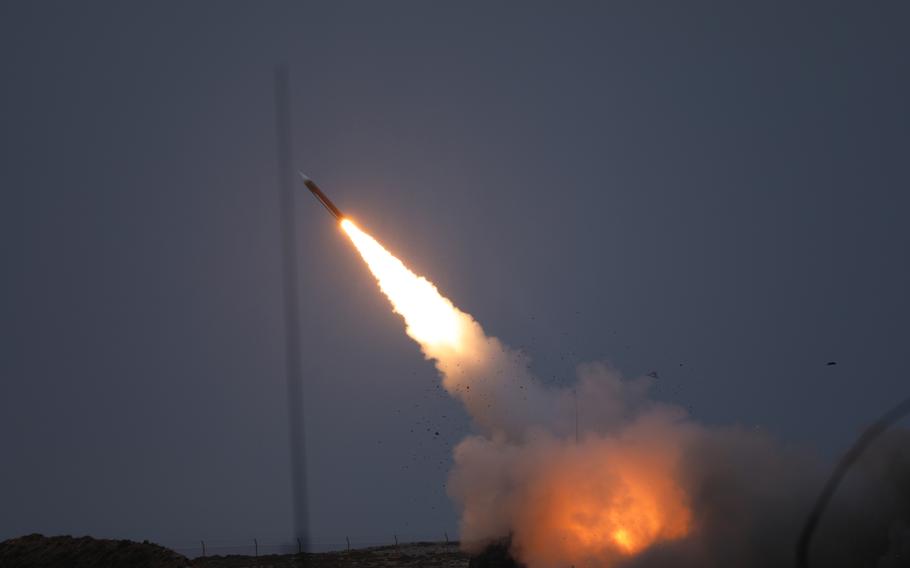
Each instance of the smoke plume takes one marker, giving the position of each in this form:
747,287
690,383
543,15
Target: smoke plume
634,483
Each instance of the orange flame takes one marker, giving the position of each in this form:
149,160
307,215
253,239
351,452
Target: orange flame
598,502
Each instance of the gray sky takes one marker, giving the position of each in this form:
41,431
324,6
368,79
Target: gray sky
716,193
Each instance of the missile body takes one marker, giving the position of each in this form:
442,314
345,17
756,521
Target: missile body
326,202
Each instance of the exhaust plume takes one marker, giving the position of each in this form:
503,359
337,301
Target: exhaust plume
641,485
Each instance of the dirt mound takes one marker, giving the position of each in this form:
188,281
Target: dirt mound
38,551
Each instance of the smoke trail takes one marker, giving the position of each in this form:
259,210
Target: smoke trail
644,485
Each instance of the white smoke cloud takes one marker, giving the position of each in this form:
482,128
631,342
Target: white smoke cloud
727,496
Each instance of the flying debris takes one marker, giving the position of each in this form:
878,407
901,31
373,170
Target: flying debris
831,363
326,202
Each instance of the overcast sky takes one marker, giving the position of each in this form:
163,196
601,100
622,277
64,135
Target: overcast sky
713,192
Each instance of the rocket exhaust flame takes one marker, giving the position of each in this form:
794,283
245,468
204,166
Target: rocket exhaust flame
431,319
605,498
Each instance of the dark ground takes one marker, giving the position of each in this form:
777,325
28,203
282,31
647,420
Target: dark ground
34,551
415,555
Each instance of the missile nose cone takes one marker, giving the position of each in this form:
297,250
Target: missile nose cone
323,198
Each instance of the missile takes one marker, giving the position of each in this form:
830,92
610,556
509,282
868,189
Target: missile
326,202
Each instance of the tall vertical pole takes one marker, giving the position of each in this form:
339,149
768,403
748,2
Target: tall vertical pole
575,396
294,373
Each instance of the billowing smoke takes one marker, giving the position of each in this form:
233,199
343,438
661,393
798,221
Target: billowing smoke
633,482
